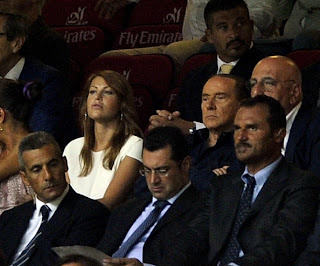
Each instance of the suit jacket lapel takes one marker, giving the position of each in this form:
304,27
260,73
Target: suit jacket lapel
181,205
275,182
297,131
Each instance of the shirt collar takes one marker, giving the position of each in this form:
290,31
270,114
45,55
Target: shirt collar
15,72
53,205
173,199
233,63
220,63
292,115
262,175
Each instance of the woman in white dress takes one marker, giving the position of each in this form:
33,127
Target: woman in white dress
104,164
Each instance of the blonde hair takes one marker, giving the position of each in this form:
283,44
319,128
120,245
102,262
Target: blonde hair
127,123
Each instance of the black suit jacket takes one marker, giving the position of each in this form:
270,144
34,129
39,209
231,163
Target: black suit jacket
279,221
77,221
303,148
189,97
159,249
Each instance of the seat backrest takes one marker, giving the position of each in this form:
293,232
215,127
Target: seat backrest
85,42
154,72
158,12
193,62
81,13
148,35
304,58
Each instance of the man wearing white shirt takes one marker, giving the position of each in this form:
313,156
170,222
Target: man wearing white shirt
280,78
73,219
165,166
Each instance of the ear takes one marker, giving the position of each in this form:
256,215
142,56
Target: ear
17,44
2,115
209,36
279,135
24,178
186,164
295,94
64,159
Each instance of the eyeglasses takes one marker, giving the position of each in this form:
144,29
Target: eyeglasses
268,84
162,172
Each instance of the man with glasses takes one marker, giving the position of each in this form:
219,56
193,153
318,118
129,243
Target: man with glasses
280,78
145,230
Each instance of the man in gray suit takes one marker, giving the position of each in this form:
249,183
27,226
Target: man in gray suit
264,215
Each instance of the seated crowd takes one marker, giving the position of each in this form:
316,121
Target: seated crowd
232,177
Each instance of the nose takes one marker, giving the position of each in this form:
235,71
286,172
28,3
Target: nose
234,30
211,105
98,96
257,89
241,135
154,178
46,173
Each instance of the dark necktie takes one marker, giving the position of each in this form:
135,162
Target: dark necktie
27,252
141,230
233,248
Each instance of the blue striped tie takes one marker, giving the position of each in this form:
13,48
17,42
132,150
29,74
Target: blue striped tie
27,252
233,248
141,230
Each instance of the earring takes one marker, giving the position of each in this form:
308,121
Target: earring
86,116
121,116
1,129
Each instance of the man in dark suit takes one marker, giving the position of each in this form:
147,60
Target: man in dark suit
165,166
230,30
72,218
51,108
264,215
280,78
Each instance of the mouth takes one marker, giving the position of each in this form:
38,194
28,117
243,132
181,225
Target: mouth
50,187
235,44
96,106
242,147
157,189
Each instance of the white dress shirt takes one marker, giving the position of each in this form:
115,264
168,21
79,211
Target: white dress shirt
290,118
15,72
137,249
36,219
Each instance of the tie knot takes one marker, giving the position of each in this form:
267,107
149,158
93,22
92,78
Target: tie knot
250,179
45,212
226,69
160,204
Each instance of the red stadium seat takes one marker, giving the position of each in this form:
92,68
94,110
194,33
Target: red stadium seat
81,13
152,71
85,42
304,58
193,62
158,12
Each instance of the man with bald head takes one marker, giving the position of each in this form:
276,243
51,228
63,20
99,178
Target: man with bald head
280,78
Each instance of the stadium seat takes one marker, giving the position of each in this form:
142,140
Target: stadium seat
158,12
304,58
81,13
149,73
193,62
85,42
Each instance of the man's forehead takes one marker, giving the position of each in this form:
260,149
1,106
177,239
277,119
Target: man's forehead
225,15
